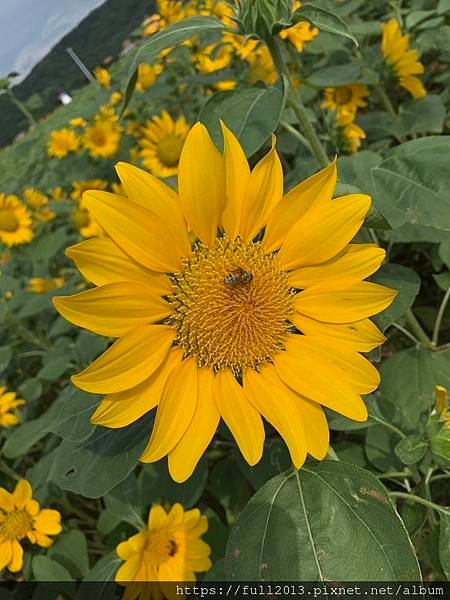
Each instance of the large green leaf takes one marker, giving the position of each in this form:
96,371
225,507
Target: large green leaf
444,544
406,282
96,465
414,179
335,75
325,20
330,521
252,114
70,550
72,421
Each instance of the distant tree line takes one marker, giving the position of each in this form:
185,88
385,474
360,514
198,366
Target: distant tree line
99,35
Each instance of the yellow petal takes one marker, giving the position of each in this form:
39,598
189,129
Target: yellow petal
355,263
324,231
22,493
186,454
175,411
276,403
138,231
156,517
315,426
130,360
307,372
343,304
201,184
296,202
263,193
6,500
42,540
48,521
130,568
241,418
151,193
359,372
123,408
101,261
16,562
237,174
5,554
414,86
114,308
362,336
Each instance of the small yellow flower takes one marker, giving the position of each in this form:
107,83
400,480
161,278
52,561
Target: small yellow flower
147,75
115,98
8,402
102,139
45,214
225,85
103,77
151,25
117,188
261,66
403,60
34,198
61,142
350,131
214,58
78,122
299,34
79,187
21,517
15,221
170,548
106,112
243,46
84,223
57,193
37,285
346,99
161,144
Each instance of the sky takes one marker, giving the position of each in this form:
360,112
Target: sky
30,28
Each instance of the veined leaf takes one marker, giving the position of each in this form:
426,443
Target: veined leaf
325,20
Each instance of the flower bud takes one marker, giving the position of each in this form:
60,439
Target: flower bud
263,18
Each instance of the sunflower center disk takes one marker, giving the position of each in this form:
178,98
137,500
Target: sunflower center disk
15,525
232,305
169,150
159,547
8,221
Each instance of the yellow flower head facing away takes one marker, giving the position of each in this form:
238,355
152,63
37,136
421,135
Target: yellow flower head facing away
8,404
404,61
22,518
170,548
102,139
103,77
264,315
62,142
34,198
161,143
15,221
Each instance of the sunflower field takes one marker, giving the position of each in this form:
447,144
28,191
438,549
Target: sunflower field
225,308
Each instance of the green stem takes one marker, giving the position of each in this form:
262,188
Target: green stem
21,106
331,455
300,137
407,333
417,329
385,101
440,316
419,500
387,425
8,471
394,474
273,44
438,477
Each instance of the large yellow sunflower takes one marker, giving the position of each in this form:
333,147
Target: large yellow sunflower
102,139
161,142
170,548
404,61
62,142
266,314
22,518
15,221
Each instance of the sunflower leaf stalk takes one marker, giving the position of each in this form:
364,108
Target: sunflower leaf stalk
263,18
273,43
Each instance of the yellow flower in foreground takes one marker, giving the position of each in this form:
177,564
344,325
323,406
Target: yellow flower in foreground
147,75
161,143
169,549
103,77
20,518
346,99
102,139
61,142
78,122
8,402
404,61
228,327
15,221
38,285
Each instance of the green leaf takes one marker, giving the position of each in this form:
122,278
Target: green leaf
104,570
325,20
275,460
321,524
96,465
380,448
411,449
5,357
30,390
46,569
123,501
70,550
335,75
252,114
421,116
72,421
406,282
414,179
444,544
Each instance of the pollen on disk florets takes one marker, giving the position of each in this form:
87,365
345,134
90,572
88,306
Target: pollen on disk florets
225,325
